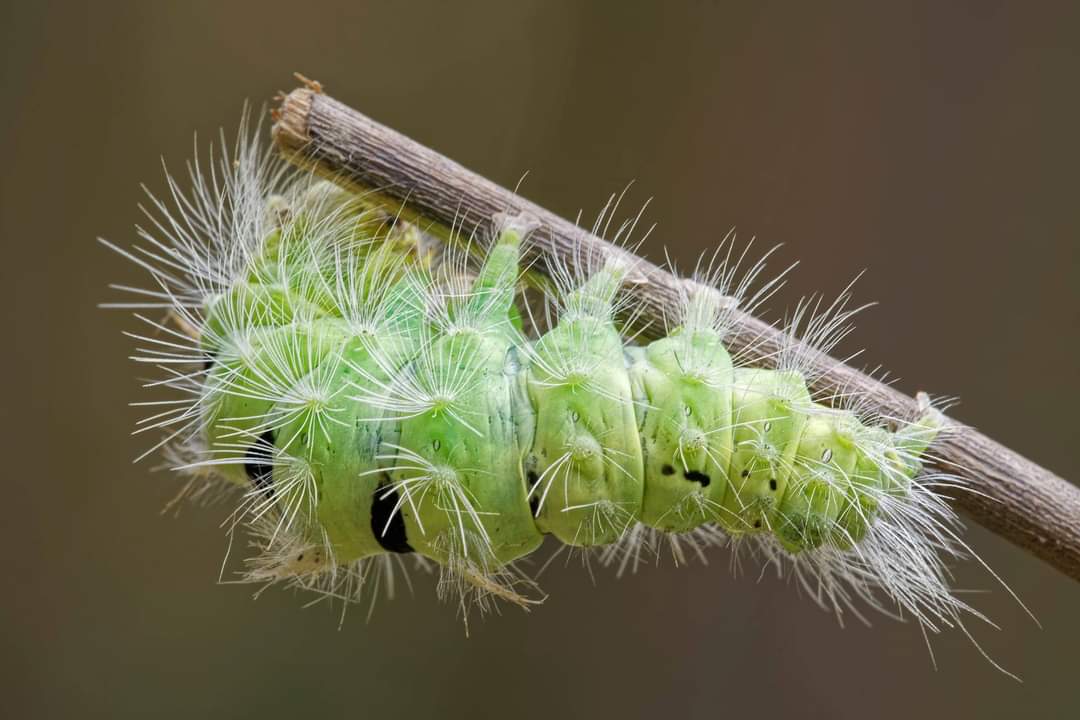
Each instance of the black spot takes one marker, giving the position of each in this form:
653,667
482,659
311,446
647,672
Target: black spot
667,470
695,476
534,501
745,473
772,484
382,509
258,463
757,523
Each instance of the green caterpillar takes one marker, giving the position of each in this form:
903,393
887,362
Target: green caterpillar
484,426
371,399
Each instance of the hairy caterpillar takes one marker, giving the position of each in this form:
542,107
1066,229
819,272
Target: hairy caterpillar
369,399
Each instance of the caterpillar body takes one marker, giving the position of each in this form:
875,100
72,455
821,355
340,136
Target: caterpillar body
369,399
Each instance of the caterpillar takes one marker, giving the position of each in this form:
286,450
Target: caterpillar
372,401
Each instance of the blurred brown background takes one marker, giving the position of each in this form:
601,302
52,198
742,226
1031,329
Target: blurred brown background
934,144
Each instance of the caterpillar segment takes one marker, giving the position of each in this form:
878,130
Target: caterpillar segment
367,411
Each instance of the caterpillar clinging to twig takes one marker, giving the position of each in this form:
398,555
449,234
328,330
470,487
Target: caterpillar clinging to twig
370,398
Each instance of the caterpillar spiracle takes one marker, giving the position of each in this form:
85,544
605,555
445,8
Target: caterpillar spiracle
369,399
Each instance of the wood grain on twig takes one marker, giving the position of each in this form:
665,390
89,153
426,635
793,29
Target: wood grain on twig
1015,498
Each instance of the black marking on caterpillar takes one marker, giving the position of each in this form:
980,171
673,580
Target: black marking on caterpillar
258,465
386,524
698,477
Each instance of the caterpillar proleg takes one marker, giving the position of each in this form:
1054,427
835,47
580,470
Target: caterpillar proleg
370,398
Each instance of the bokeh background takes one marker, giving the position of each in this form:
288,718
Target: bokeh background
934,143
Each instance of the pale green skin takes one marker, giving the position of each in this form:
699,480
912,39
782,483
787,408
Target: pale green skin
650,439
